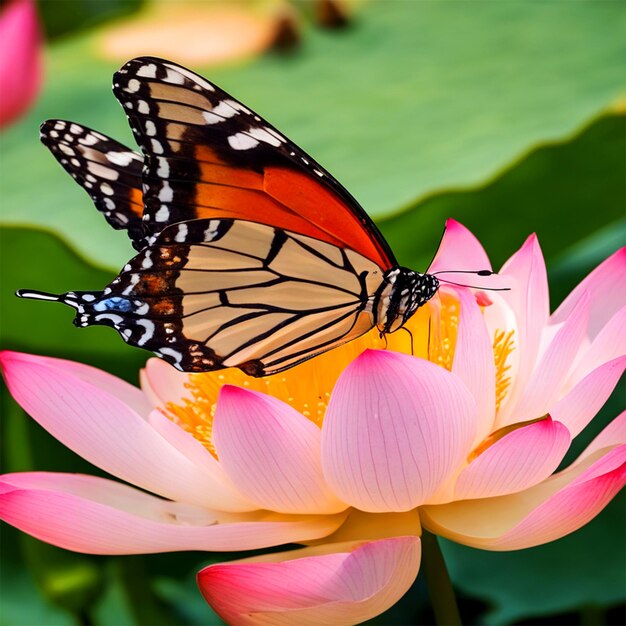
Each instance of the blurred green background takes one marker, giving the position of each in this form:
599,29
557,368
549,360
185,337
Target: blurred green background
508,116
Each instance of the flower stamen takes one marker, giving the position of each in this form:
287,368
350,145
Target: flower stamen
503,346
444,325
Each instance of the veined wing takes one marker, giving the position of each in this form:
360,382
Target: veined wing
208,294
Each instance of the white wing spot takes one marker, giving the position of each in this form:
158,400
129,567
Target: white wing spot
192,77
142,107
175,354
181,234
211,118
162,215
156,146
174,77
147,71
166,194
88,140
242,141
150,128
133,85
163,170
134,279
106,189
149,331
211,231
120,158
116,319
263,134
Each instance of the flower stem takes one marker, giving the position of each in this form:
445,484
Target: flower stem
440,589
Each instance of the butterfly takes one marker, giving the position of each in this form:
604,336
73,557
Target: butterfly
251,254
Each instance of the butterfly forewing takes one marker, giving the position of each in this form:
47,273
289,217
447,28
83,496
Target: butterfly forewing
215,293
106,169
209,156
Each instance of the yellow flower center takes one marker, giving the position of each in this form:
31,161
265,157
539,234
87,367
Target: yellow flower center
431,335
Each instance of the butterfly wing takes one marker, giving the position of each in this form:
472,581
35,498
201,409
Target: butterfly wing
209,293
208,156
106,169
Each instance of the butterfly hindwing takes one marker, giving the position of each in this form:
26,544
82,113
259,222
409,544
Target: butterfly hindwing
106,169
209,156
208,294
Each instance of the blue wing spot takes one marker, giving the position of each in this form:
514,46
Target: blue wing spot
123,305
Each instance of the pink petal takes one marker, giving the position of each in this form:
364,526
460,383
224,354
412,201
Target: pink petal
580,405
191,448
459,250
99,516
474,364
520,459
609,343
396,427
605,285
314,586
529,300
127,393
546,381
107,432
20,59
271,452
550,510
611,436
162,383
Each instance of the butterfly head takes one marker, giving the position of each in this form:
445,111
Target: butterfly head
402,292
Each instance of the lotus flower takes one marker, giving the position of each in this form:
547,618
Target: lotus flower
348,454
20,59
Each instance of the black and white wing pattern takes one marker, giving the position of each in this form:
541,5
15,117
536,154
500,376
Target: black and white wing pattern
209,294
206,155
106,169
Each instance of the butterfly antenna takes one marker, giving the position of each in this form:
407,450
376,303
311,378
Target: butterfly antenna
449,282
475,272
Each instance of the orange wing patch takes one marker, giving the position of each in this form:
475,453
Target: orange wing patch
279,197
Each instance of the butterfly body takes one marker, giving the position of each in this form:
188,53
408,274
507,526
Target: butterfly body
402,292
251,255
